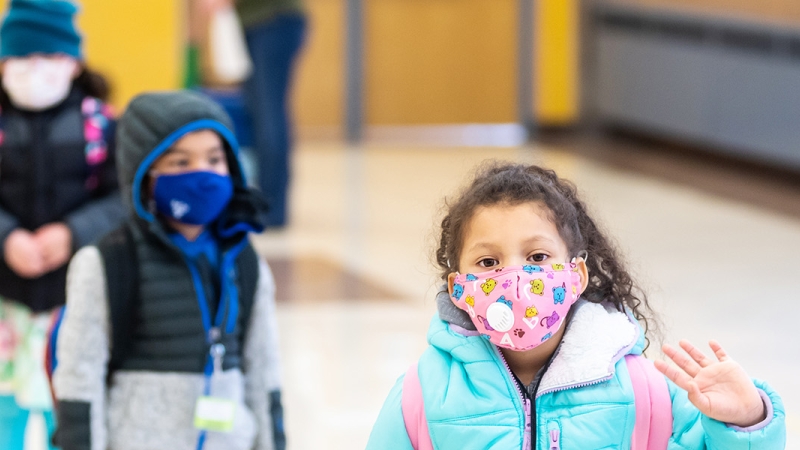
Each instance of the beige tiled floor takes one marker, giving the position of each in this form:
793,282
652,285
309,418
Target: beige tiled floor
713,268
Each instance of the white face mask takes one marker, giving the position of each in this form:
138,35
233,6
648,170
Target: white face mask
37,83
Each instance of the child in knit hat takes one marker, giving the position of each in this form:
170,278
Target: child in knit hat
58,191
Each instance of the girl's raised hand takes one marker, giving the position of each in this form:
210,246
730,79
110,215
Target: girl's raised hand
719,389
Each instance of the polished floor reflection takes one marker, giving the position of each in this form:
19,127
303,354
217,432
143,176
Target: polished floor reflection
356,280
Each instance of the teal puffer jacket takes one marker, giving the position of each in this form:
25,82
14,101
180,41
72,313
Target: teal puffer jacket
585,399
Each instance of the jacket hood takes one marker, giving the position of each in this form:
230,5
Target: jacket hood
152,123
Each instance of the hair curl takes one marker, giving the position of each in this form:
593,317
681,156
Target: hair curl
93,84
514,184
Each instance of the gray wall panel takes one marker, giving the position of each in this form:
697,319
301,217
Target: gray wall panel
731,89
756,106
649,84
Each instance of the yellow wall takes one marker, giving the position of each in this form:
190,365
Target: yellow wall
440,61
556,63
318,91
137,44
427,61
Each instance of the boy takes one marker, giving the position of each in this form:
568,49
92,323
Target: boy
175,347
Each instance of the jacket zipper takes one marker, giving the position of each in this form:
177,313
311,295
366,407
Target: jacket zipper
527,407
38,170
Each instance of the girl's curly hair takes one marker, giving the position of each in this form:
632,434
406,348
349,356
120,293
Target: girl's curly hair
514,184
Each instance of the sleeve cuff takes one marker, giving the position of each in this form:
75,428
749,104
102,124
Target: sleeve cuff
94,220
769,410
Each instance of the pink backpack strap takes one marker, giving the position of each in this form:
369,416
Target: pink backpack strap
653,426
414,411
96,117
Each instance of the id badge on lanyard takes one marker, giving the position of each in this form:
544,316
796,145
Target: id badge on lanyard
214,413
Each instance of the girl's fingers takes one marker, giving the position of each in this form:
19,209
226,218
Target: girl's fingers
718,351
684,362
677,376
697,398
695,353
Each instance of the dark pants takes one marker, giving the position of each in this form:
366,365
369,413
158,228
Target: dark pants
273,47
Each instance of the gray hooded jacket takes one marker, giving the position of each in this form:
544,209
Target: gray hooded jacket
149,402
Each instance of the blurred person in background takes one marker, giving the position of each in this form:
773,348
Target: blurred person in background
275,31
58,191
198,367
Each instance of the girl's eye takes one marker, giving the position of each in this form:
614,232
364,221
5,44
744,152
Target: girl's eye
537,257
488,262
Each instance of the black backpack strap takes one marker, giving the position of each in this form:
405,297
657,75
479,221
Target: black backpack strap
121,263
247,266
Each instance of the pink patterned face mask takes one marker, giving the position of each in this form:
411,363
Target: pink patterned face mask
518,307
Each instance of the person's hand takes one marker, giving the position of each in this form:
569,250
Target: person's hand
23,254
719,389
55,240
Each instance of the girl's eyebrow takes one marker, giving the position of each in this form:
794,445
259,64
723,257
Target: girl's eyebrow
537,238
532,240
483,245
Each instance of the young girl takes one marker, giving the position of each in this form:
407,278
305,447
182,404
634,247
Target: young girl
58,191
168,339
529,348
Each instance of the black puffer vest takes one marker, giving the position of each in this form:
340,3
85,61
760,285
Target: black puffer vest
43,177
167,333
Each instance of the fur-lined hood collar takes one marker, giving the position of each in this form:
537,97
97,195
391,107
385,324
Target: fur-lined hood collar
597,337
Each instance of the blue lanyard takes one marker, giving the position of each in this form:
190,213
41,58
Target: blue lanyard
229,291
214,333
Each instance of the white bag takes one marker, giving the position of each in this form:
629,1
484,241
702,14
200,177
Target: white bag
230,60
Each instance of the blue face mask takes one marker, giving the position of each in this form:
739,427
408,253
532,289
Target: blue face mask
195,198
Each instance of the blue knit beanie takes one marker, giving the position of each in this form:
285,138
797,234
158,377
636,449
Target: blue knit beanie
40,26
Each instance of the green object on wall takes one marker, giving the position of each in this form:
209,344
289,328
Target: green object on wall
191,70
